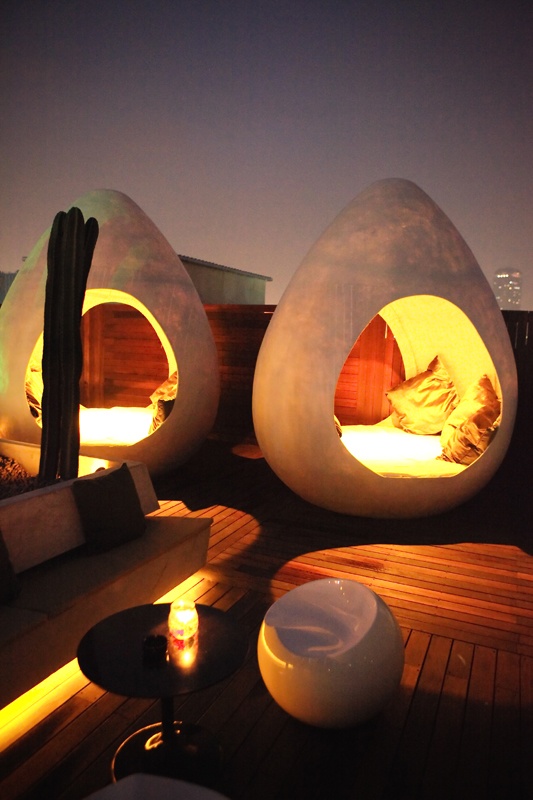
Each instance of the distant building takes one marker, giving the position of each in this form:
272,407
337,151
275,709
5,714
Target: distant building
507,286
214,283
6,279
217,284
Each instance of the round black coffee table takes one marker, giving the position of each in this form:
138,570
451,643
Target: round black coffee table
112,654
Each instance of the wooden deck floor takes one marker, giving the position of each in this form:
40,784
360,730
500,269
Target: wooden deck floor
461,587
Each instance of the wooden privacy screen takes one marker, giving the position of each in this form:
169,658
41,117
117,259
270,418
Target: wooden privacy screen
124,362
238,331
373,367
520,327
123,359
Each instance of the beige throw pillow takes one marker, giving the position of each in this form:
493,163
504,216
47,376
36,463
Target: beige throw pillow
422,404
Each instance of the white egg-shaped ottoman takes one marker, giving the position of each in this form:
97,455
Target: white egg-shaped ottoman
331,653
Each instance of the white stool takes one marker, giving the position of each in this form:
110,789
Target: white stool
331,653
140,786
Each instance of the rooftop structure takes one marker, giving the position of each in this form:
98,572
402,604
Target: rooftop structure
217,284
6,279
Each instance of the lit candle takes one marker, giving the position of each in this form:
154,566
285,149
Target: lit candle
183,653
182,620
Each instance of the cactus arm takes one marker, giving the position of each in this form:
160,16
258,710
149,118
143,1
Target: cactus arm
85,235
70,344
49,460
70,251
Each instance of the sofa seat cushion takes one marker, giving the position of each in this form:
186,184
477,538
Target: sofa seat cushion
16,621
60,600
57,585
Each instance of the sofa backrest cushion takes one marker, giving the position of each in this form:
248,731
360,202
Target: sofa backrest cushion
109,509
9,585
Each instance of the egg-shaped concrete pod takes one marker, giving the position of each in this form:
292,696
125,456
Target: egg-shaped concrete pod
391,251
133,264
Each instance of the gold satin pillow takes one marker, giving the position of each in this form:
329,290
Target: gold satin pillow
422,404
470,427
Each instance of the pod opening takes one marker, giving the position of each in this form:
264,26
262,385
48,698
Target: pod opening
418,395
130,377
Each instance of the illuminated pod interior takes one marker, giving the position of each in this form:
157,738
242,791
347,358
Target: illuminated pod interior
134,267
391,253
109,424
416,329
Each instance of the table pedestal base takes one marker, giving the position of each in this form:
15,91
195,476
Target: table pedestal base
189,753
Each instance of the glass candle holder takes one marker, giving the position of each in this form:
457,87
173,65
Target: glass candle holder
182,620
183,653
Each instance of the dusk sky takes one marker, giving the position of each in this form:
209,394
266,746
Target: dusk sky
243,128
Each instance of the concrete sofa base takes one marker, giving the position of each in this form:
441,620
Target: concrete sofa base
62,598
43,523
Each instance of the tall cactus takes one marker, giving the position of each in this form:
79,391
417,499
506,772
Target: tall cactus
70,252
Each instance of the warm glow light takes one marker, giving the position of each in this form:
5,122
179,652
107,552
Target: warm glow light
95,297
103,426
183,653
88,465
118,425
28,710
379,444
424,325
390,451
182,620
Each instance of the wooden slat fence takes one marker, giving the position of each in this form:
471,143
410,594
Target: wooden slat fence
520,327
373,366
124,362
238,331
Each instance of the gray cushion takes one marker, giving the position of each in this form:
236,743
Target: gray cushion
109,509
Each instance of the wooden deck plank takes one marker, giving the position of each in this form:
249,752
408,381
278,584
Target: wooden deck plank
409,761
50,759
461,724
505,772
526,720
439,777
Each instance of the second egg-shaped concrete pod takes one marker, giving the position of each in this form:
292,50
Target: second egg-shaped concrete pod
134,266
392,252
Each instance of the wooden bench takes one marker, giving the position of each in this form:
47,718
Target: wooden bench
71,589
62,598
